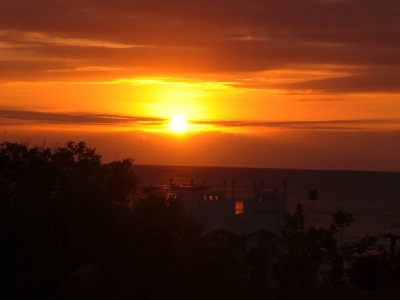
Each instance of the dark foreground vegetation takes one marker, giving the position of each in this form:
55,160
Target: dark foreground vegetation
72,227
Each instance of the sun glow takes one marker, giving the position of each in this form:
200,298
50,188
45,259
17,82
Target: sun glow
178,124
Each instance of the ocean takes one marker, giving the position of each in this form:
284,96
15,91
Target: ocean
372,197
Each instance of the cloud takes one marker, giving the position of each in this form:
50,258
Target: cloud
26,116
53,40
330,99
356,21
20,117
309,125
372,80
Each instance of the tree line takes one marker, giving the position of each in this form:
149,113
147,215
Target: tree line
73,227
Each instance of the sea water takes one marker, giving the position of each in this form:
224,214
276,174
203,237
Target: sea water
372,197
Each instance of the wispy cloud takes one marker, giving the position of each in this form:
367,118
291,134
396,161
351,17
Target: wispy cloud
26,116
17,117
309,125
372,80
195,37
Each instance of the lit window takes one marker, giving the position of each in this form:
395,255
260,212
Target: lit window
217,198
205,198
210,198
239,207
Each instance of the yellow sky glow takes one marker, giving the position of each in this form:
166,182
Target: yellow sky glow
249,79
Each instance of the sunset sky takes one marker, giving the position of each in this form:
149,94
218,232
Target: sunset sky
311,84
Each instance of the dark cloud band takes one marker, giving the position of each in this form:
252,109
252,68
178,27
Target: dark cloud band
18,117
25,116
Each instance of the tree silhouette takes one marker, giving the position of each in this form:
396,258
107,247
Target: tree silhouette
72,226
58,212
341,220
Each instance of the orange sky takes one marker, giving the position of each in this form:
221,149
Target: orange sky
262,83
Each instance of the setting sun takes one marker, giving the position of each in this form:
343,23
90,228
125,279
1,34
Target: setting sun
178,124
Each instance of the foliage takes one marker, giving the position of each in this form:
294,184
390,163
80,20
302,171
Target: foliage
68,220
341,220
314,256
307,249
372,267
58,211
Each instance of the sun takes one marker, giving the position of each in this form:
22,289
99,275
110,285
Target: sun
178,124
